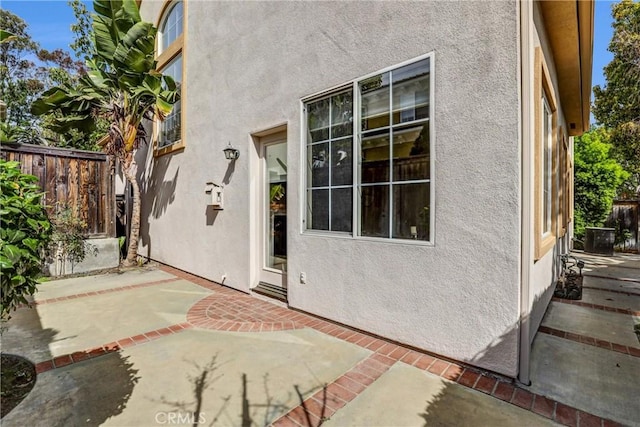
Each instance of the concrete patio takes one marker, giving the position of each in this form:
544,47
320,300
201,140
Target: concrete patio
586,353
159,346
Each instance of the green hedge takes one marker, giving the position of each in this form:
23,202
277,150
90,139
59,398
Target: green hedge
25,231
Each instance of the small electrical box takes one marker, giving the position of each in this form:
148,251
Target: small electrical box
215,195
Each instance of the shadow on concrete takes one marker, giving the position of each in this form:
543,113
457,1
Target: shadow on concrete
251,412
449,405
86,393
101,388
201,380
603,262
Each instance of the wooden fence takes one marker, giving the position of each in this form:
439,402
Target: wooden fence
625,215
82,180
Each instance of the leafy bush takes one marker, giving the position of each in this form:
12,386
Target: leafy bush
597,177
24,235
68,241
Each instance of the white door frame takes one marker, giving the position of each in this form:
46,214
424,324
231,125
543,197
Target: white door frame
258,223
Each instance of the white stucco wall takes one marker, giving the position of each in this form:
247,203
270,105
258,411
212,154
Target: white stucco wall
545,271
248,65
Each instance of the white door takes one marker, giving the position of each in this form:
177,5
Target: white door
273,202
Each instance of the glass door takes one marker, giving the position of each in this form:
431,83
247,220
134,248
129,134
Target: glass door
275,156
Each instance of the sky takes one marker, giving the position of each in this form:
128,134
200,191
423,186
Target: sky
50,20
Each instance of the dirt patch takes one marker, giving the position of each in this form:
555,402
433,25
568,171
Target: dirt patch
18,378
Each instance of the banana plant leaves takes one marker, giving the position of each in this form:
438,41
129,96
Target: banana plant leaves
122,83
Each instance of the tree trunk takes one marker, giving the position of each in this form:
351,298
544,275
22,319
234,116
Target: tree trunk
134,235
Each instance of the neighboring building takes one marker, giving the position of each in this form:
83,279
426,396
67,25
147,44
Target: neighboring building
405,168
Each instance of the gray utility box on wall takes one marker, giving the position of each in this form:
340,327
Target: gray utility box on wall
599,240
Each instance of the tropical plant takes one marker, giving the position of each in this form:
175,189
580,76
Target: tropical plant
24,235
122,86
12,134
6,36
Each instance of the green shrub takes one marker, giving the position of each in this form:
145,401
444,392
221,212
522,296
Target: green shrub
24,235
68,241
597,177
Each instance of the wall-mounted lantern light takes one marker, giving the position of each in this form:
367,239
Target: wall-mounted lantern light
231,153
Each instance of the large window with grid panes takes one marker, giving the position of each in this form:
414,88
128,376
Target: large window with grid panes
368,156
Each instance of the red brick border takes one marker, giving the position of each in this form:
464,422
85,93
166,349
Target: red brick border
325,402
79,356
597,306
316,409
104,291
240,313
596,342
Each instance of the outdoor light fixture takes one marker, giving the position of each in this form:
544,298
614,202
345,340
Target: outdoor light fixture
231,153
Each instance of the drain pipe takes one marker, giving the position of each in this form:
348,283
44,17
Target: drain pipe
526,81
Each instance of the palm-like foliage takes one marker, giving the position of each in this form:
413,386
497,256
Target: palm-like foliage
122,85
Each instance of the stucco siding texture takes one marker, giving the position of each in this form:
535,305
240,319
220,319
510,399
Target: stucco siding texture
545,270
248,65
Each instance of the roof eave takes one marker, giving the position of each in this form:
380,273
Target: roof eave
569,26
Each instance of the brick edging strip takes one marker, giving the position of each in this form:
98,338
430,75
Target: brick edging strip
597,306
112,347
314,410
596,342
104,291
319,407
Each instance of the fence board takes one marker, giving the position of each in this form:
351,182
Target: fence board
79,179
37,167
62,190
625,215
93,196
84,190
50,182
73,181
26,165
109,184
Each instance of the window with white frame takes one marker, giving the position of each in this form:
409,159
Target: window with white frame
330,162
170,45
391,172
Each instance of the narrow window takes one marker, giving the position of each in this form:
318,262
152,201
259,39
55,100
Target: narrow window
547,135
170,46
546,206
170,131
395,153
330,163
